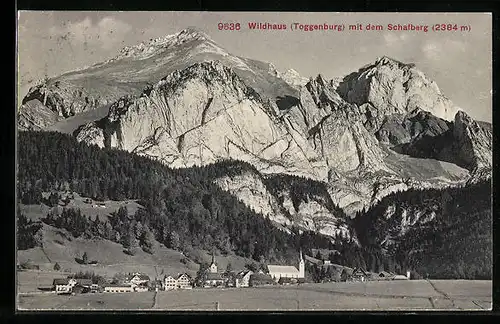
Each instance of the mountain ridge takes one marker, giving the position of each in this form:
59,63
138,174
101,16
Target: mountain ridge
186,101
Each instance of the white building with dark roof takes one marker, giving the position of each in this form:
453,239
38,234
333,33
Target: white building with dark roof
285,271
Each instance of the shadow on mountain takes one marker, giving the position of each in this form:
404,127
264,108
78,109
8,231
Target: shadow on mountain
286,102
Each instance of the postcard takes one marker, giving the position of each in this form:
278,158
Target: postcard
254,161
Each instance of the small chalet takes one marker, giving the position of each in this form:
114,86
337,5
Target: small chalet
261,279
243,279
359,274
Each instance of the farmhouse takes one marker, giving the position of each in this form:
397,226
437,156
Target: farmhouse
63,285
170,283
118,288
138,279
181,281
68,285
278,271
184,281
243,279
213,280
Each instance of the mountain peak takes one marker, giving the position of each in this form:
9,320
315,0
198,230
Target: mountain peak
157,45
192,33
385,60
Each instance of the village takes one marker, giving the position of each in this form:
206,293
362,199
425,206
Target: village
212,277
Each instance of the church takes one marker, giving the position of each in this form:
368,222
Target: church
279,271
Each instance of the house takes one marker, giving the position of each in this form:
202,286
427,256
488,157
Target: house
138,279
94,288
184,281
385,275
278,271
118,288
66,285
170,283
181,281
260,279
213,280
63,285
243,279
359,274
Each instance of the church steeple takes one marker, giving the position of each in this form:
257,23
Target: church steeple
213,266
301,266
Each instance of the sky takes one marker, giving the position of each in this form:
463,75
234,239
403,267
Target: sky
51,43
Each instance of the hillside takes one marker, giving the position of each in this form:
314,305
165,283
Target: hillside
187,204
437,233
192,148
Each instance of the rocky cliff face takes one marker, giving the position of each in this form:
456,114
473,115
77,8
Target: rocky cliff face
184,100
389,87
464,142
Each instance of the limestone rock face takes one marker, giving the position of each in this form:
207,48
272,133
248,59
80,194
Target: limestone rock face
136,67
36,116
293,78
184,100
394,87
464,142
473,142
202,114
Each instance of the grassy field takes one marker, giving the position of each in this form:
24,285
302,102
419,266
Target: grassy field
383,295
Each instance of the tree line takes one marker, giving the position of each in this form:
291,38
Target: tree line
451,238
182,207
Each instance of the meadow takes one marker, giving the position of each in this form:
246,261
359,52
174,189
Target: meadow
382,295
